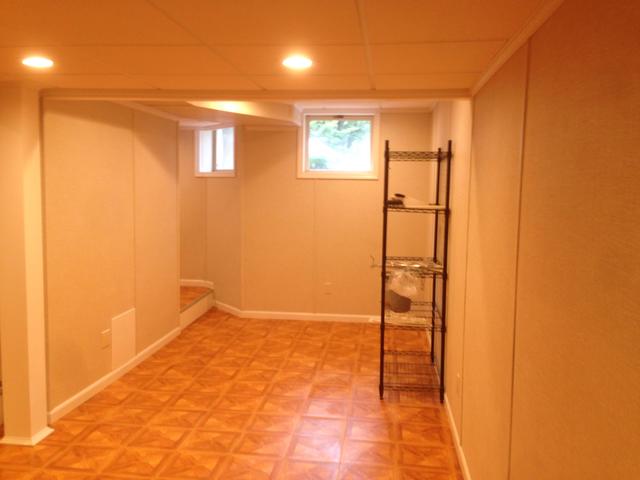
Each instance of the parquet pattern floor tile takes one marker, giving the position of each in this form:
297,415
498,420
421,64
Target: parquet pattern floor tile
234,398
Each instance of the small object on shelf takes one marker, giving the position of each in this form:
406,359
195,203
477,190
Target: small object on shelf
397,200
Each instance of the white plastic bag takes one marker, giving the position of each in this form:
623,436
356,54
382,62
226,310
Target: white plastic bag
403,283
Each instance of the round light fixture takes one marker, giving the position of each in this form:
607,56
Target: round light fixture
37,62
297,62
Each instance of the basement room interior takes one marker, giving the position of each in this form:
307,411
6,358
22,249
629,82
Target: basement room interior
349,239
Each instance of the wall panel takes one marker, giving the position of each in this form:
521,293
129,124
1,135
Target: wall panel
577,363
89,222
224,233
156,227
193,211
491,271
277,226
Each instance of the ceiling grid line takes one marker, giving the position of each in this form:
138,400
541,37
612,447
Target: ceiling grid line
365,42
203,43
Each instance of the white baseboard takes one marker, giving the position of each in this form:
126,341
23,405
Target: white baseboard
196,310
27,441
316,317
456,440
191,282
228,308
88,392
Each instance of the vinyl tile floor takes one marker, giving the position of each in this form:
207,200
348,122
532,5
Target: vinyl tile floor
233,398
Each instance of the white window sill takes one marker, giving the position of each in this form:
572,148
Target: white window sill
338,175
221,174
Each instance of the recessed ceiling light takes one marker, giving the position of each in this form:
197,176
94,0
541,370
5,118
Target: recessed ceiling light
297,62
37,62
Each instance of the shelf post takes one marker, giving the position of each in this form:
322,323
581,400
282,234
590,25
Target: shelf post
384,264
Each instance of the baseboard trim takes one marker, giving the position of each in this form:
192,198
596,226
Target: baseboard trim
192,282
228,308
27,441
88,392
306,316
456,440
196,310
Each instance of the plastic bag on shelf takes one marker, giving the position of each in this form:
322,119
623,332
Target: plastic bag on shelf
404,283
402,287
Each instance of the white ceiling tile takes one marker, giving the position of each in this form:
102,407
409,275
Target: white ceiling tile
83,22
262,22
406,21
91,82
199,82
268,60
429,81
313,82
458,57
170,60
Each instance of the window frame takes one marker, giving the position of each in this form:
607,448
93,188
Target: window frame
214,173
303,170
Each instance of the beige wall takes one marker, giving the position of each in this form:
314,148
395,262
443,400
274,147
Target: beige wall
279,243
452,120
89,224
277,226
156,227
110,234
21,265
577,360
223,234
551,387
491,272
193,212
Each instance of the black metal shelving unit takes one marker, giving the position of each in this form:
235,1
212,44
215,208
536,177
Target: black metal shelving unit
412,344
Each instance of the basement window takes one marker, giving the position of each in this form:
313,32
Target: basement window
215,152
339,146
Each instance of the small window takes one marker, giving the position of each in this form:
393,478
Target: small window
215,150
339,146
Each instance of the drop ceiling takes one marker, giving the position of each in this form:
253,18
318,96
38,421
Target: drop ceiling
217,46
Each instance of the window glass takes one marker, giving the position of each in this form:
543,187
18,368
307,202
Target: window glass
224,149
338,146
205,151
215,149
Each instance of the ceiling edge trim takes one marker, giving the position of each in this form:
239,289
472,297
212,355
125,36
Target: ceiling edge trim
149,110
517,41
187,95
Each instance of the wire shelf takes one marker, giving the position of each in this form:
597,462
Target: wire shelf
410,371
425,209
415,319
412,343
406,156
422,267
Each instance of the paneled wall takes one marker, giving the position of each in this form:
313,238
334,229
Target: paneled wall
494,198
576,404
156,227
452,121
110,183
193,212
552,318
283,244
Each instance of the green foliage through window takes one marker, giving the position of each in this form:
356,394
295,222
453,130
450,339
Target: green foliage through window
339,144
